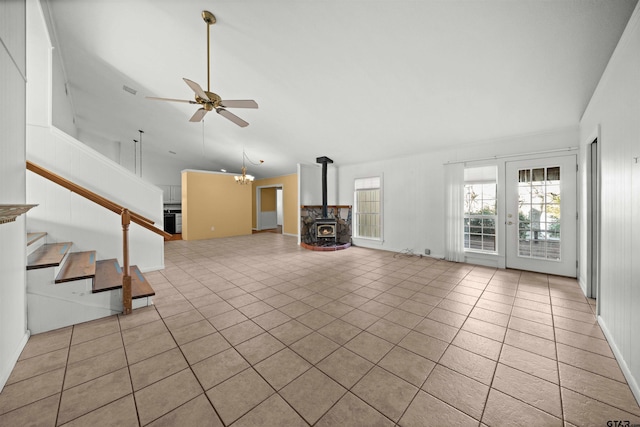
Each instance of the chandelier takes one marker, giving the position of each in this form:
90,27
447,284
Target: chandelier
245,178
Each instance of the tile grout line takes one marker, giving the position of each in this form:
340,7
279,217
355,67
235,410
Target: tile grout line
437,363
484,409
126,358
555,346
64,376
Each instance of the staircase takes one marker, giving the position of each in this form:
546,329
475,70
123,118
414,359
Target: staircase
66,288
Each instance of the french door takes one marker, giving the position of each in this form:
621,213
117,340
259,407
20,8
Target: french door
541,217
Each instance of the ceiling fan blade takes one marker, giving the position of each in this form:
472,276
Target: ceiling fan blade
171,99
235,119
244,103
197,89
199,115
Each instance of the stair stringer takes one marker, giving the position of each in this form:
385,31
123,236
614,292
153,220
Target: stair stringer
57,305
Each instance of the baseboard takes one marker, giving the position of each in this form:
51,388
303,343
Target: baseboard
147,269
633,383
290,234
12,363
583,286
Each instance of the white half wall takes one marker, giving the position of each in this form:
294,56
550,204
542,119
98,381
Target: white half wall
65,216
615,109
62,214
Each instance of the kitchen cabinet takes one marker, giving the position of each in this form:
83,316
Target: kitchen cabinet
171,193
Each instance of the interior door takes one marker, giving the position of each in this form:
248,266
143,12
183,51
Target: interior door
541,217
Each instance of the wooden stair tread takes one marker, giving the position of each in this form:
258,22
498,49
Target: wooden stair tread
34,237
109,276
79,265
49,255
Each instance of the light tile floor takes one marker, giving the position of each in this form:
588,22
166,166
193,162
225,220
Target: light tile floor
254,330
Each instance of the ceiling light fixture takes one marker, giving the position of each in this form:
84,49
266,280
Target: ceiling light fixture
244,178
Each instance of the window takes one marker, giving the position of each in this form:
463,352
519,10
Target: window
480,209
368,208
539,213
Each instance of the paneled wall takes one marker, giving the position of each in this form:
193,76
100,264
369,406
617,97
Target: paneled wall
13,320
615,110
413,188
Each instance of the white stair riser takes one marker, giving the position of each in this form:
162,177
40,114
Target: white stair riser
35,245
56,305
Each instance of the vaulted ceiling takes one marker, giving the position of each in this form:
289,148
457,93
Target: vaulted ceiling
355,80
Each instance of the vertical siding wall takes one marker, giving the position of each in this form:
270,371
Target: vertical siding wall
615,107
13,319
413,188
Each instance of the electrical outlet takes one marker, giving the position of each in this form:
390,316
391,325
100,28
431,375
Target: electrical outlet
427,251
213,228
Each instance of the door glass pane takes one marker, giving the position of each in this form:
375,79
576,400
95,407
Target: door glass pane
539,213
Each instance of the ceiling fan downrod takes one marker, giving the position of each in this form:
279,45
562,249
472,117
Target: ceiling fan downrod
210,19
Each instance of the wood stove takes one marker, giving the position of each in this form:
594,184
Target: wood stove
326,228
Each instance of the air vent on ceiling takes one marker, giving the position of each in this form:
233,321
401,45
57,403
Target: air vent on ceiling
130,90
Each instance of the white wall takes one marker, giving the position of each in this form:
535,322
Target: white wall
413,188
64,215
310,184
615,108
279,207
13,319
63,114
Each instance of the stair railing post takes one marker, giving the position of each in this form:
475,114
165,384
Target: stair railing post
126,278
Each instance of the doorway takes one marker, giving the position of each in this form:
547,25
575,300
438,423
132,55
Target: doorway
593,221
269,208
541,215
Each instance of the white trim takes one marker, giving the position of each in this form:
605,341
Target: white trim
14,359
587,284
259,199
203,171
506,156
633,384
354,212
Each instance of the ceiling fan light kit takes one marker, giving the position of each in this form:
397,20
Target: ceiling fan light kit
208,100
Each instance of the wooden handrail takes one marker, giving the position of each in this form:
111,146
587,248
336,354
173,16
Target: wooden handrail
96,198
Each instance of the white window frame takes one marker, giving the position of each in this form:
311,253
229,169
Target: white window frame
466,215
367,186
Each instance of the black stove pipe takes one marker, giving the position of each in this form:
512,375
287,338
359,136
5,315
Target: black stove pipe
324,160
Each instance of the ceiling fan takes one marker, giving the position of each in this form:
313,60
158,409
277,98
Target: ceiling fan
208,100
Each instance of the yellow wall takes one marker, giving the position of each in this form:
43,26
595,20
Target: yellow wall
289,184
214,200
268,199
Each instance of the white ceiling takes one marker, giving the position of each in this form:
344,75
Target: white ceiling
353,80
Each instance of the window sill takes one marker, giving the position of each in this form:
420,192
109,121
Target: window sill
369,239
476,252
